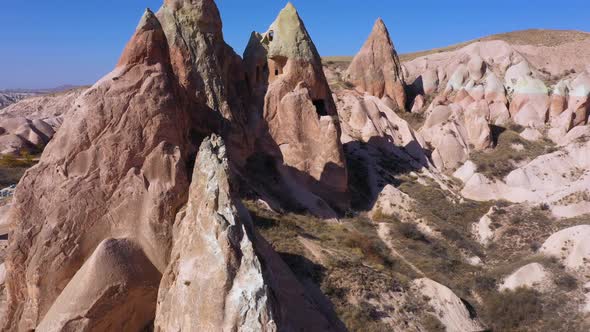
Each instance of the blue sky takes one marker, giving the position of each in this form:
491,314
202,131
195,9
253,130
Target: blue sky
50,43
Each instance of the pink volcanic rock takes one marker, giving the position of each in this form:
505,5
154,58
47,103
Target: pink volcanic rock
477,125
430,81
530,102
476,67
209,69
499,114
558,102
117,272
494,89
28,125
222,276
376,69
418,104
114,170
302,132
579,99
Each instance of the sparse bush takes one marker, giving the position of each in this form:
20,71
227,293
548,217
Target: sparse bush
544,207
432,324
566,282
511,310
486,283
363,317
410,231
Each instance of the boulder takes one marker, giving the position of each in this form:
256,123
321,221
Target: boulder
115,289
458,78
376,69
532,275
430,81
448,307
476,123
418,104
494,89
482,230
571,247
531,134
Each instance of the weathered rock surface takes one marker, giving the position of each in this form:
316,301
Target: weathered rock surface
300,130
114,170
453,133
220,276
209,71
28,125
571,247
530,102
532,275
7,98
559,179
214,281
115,290
376,69
447,306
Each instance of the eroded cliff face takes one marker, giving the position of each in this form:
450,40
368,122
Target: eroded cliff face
214,281
108,211
300,129
209,70
116,169
222,276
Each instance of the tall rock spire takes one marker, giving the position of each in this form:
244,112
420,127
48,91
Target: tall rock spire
208,68
300,117
202,60
222,275
376,69
116,169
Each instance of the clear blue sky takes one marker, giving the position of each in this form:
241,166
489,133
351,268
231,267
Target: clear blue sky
45,43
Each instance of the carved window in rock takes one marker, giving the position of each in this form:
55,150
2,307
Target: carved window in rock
320,107
277,66
271,35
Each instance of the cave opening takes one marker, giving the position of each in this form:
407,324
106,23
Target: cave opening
320,107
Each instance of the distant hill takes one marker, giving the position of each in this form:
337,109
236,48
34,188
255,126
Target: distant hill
11,96
535,37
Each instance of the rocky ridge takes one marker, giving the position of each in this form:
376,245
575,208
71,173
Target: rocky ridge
467,213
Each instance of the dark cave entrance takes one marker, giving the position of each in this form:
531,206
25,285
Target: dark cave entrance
320,107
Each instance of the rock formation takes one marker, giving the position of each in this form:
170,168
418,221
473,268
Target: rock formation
448,307
214,280
104,214
221,276
115,170
28,125
530,102
300,130
571,247
376,69
532,275
208,69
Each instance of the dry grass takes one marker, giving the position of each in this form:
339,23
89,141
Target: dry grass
536,37
498,162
